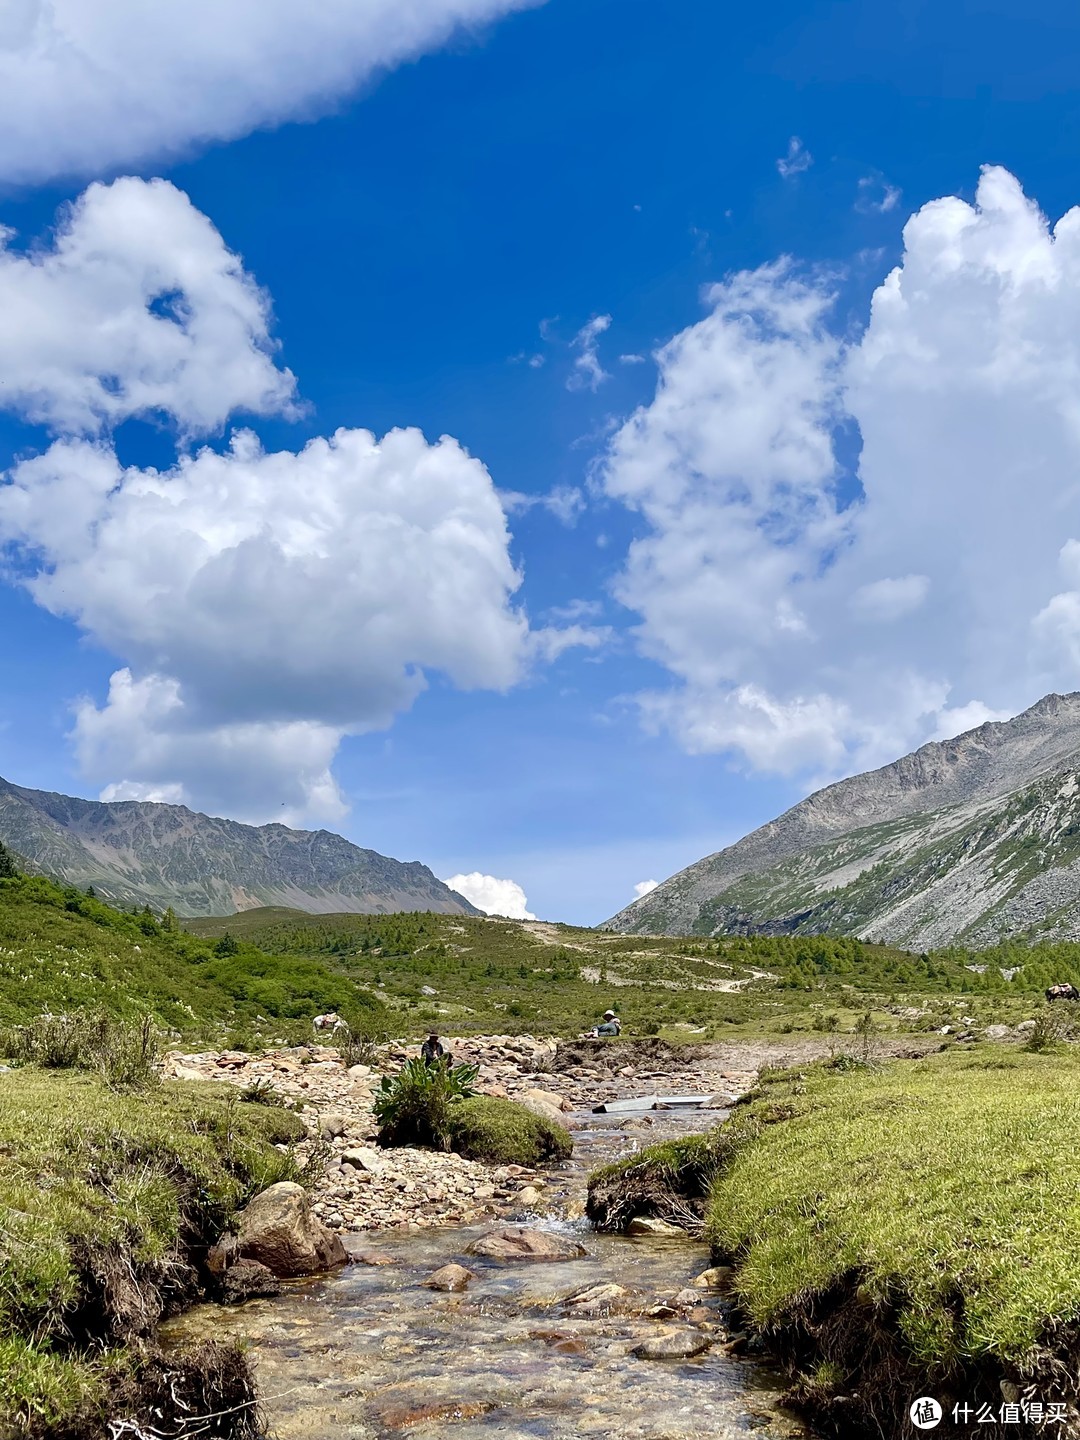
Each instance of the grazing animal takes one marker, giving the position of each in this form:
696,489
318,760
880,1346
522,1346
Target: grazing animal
1063,992
329,1022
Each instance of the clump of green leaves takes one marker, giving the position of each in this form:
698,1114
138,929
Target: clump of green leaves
414,1106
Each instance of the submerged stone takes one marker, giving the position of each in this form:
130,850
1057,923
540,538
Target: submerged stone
450,1277
513,1243
677,1345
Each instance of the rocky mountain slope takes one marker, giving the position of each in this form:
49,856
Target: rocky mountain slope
137,852
973,839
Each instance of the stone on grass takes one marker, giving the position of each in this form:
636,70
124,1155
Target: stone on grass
513,1243
279,1229
450,1277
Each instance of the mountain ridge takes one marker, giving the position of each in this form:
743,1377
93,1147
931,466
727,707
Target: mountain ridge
147,852
797,871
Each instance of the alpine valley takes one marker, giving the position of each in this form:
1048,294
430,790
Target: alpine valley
974,839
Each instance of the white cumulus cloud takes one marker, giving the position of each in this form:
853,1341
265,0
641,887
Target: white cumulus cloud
264,604
818,624
493,896
644,886
88,85
138,306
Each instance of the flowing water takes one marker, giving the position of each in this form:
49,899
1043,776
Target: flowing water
370,1353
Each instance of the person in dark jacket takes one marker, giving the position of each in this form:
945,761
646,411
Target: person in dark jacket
433,1050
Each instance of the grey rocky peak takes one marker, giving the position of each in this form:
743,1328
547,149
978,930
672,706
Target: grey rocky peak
141,852
975,838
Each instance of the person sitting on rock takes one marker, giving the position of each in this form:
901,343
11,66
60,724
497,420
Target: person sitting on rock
608,1026
433,1050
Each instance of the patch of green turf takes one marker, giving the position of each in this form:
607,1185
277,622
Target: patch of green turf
102,1195
504,1133
949,1188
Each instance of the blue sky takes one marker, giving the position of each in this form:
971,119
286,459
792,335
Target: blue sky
824,538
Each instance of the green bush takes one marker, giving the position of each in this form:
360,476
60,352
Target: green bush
414,1106
123,1054
504,1133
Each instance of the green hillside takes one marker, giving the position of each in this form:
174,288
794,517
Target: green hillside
62,950
259,976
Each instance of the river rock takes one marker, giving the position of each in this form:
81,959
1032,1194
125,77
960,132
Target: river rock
450,1277
717,1102
331,1126
548,1097
513,1243
715,1278
364,1158
279,1230
541,1108
606,1298
528,1195
245,1280
650,1225
676,1345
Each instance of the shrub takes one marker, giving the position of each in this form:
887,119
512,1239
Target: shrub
364,1032
1054,1024
413,1107
502,1133
123,1053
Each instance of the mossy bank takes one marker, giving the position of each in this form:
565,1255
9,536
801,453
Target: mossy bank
109,1201
897,1231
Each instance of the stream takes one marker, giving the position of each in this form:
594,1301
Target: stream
370,1353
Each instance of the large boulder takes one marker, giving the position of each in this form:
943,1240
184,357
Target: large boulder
279,1230
514,1243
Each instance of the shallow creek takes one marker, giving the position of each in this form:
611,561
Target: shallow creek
372,1354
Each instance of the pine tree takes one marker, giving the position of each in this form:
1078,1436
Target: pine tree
7,865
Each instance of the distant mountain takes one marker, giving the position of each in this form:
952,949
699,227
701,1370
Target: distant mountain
137,852
974,839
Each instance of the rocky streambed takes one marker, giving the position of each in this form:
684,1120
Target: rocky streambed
437,1330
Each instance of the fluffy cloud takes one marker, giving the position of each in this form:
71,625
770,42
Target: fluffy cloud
263,604
815,627
644,886
268,602
137,307
87,85
493,896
